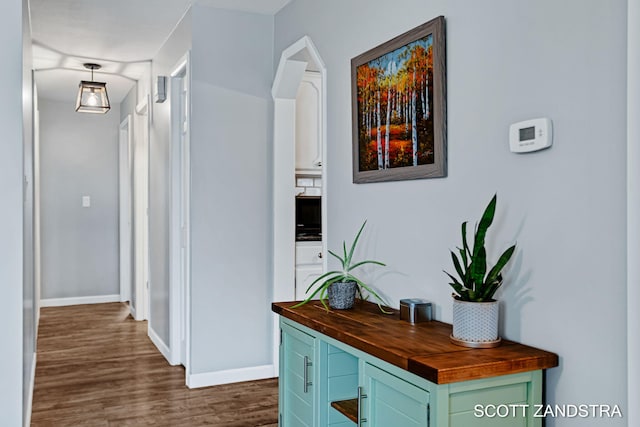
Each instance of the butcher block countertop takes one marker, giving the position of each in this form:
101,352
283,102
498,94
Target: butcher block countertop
423,349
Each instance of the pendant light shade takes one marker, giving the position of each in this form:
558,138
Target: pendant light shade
92,96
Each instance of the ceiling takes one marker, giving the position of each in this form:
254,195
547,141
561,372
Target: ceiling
120,35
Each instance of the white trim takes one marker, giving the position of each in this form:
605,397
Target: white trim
179,239
60,302
37,235
633,211
229,376
32,385
181,67
132,310
141,107
294,61
283,86
140,209
160,345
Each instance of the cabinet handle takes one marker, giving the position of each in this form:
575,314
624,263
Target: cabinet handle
320,255
307,383
361,396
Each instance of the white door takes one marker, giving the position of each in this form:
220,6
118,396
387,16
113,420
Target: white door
184,208
141,212
180,195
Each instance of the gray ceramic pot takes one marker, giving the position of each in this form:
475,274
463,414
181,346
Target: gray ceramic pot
342,295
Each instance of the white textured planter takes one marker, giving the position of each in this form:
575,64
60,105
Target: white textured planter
475,324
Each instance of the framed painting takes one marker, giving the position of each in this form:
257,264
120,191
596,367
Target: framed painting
398,95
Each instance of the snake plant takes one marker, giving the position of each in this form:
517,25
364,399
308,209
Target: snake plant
474,283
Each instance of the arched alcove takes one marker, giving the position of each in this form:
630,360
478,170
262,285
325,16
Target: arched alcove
298,58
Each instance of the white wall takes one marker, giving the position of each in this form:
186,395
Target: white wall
160,183
232,72
79,157
506,61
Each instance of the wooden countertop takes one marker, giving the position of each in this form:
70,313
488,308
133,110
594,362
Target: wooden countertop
423,348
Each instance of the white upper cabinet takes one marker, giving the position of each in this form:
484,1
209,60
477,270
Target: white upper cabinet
309,124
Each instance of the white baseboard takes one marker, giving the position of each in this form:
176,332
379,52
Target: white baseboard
160,345
59,302
207,379
32,384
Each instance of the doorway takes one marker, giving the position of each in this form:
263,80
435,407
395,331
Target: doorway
296,60
180,214
125,184
140,229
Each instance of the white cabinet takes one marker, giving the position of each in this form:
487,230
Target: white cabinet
309,253
305,275
308,266
309,124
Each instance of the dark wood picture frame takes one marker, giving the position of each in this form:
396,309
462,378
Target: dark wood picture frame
398,95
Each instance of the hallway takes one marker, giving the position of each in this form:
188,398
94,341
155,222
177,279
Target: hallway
97,367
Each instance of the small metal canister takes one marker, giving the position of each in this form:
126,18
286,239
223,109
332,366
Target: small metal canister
415,310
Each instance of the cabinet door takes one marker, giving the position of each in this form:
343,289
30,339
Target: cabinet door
309,123
305,275
297,390
309,253
390,401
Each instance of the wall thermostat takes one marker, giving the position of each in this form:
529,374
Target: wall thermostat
530,135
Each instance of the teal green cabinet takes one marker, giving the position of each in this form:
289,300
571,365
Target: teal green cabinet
386,400
298,390
362,368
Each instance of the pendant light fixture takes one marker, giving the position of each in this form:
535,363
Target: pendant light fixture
92,96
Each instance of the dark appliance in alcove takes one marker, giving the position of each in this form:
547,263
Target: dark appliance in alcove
308,218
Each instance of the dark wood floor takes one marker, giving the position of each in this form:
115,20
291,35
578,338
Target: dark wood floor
97,367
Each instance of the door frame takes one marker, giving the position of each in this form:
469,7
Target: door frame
141,209
180,240
294,61
37,247
125,212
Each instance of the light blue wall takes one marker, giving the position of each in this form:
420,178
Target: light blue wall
232,61
78,157
506,61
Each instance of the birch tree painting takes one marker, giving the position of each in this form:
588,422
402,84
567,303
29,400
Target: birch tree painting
394,104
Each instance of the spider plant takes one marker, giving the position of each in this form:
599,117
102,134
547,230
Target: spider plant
344,275
473,282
